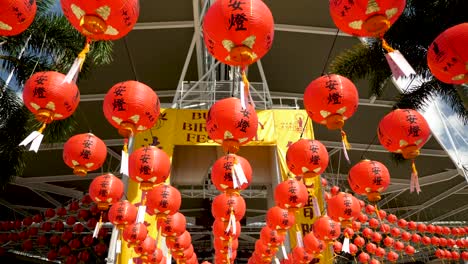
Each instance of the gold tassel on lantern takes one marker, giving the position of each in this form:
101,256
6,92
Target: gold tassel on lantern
72,74
346,145
414,182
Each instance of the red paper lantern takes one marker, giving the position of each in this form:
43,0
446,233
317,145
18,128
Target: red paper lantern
380,252
464,255
134,234
356,226
402,223
369,178
404,131
392,256
374,223
220,230
300,255
271,237
371,248
52,255
84,152
343,208
337,247
291,194
106,190
122,213
326,229
421,228
388,242
307,157
49,98
102,20
363,257
313,245
238,33
330,100
149,166
376,237
353,249
279,219
16,16
131,107
412,225
223,246
366,18
147,247
447,57
172,225
395,232
163,200
228,169
415,238
426,240
359,241
409,250
182,241
391,218
367,232
225,204
264,250
231,125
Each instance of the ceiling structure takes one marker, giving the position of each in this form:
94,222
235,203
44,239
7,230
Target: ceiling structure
165,50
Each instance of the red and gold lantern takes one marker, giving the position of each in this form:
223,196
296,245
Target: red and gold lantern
16,16
343,208
404,131
49,97
102,20
231,124
369,178
135,234
271,237
227,204
182,241
326,229
106,190
172,225
366,18
231,172
313,245
447,56
122,213
163,200
226,230
131,107
84,152
149,166
291,194
279,219
307,157
238,33
330,100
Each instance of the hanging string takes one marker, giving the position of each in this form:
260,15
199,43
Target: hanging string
330,52
368,147
130,58
304,128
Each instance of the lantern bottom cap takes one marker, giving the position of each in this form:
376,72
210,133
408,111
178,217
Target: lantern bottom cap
373,197
80,171
44,116
410,152
93,25
335,122
376,25
127,129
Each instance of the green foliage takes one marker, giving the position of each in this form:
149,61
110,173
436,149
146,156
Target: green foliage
52,46
421,22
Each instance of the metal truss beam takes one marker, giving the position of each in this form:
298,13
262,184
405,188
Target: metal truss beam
13,207
390,197
163,25
114,154
436,199
451,213
426,180
46,187
248,238
27,207
47,197
58,178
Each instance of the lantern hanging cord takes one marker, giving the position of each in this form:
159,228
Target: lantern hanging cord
130,58
304,128
84,52
330,52
41,130
386,46
368,147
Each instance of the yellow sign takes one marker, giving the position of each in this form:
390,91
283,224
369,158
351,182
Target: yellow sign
275,127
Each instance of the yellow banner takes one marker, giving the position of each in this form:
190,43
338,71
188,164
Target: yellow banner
188,127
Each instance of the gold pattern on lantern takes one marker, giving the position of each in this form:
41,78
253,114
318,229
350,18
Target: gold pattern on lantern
4,26
51,106
111,31
391,12
249,41
77,11
356,24
104,12
228,44
372,7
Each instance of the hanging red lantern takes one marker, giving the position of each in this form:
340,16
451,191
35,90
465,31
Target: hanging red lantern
366,18
122,213
225,230
231,124
464,255
374,223
279,219
447,57
367,232
102,20
172,225
231,172
421,228
392,256
149,166
238,33
380,252
371,248
404,131
330,100
271,237
227,204
147,247
49,97
337,247
435,241
163,200
426,240
106,190
443,242
402,223
291,194
363,257
326,229
415,238
307,157
391,218
363,218
264,250
376,237
131,107
412,225
300,255
356,226
223,246
369,178
182,241
388,242
359,241
409,250
84,152
16,16
395,232
313,245
134,234
343,208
